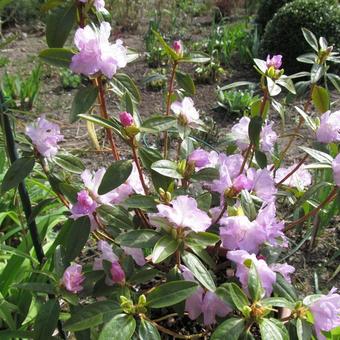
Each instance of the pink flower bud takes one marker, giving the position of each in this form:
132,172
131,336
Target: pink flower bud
178,47
275,61
126,119
117,273
73,278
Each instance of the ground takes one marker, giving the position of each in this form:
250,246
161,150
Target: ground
315,267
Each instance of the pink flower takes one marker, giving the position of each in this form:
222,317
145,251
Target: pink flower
266,275
300,179
200,158
329,129
240,132
73,278
186,112
117,273
98,4
242,182
126,119
85,205
273,228
284,269
336,169
45,136
201,302
137,255
263,184
183,213
237,232
326,313
96,54
275,61
178,47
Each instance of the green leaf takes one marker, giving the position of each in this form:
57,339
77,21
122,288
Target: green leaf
254,284
70,163
122,83
165,247
6,310
4,3
60,57
308,120
277,302
127,104
307,58
115,175
199,270
147,331
83,101
230,329
335,80
141,202
17,172
237,296
92,315
310,38
36,210
170,293
206,174
186,83
122,326
273,329
115,216
149,156
236,84
287,83
316,73
284,289
320,98
144,275
261,159
320,156
37,287
166,168
76,238
196,58
248,205
254,130
46,320
303,329
204,201
56,34
159,123
168,50
203,238
142,238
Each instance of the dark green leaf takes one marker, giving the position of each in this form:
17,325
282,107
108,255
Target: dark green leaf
206,174
248,205
168,50
273,329
204,201
170,293
122,83
230,329
39,208
310,38
122,326
144,275
185,82
254,283
47,319
83,101
17,172
115,216
92,315
164,247
70,163
166,168
37,287
203,238
196,58
56,34
159,123
316,73
147,331
142,238
254,130
303,329
60,57
115,175
141,202
277,302
76,238
261,159
199,271
238,297
284,289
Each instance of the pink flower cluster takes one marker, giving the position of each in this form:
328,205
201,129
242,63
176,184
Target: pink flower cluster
275,61
96,54
45,137
186,112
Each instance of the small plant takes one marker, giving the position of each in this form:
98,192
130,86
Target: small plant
69,80
236,101
210,72
155,80
21,93
3,61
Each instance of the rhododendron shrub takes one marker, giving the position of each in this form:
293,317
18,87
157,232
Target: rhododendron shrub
174,231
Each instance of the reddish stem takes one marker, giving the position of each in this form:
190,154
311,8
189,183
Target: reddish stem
139,168
80,7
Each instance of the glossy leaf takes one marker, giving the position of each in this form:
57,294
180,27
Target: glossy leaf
147,331
141,238
284,289
165,247
115,216
159,123
70,163
166,168
141,202
273,329
230,329
310,38
115,175
122,326
186,83
17,172
206,175
320,98
170,293
254,130
254,284
60,57
320,156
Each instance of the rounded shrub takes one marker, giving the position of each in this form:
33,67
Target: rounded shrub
267,10
283,33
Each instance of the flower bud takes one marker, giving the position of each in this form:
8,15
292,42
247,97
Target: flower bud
117,273
73,278
126,119
178,47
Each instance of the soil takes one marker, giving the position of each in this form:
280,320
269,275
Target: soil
314,267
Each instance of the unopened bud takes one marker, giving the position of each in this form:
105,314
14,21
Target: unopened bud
178,47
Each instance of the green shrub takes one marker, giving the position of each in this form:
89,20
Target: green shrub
22,11
267,10
283,33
